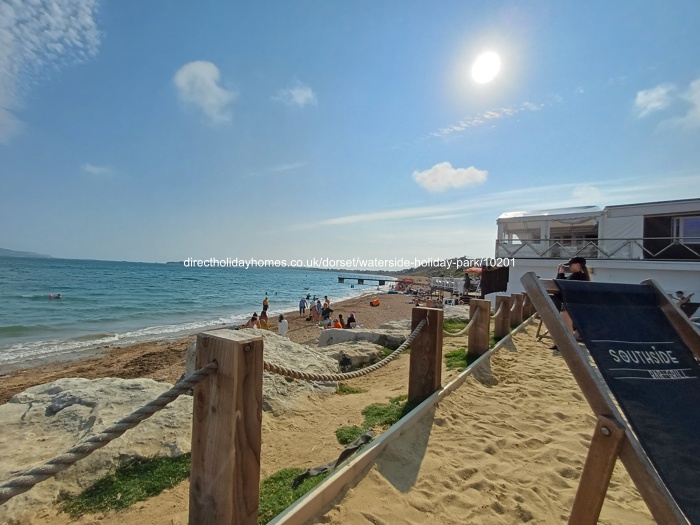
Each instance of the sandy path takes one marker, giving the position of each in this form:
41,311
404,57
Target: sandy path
511,453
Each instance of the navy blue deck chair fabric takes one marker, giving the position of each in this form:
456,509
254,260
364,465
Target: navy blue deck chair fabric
653,375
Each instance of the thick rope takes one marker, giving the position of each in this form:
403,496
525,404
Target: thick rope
466,328
296,374
28,479
498,312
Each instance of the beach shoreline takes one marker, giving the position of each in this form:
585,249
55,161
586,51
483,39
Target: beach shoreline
164,359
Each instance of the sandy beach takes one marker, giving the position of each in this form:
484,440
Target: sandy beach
165,360
511,452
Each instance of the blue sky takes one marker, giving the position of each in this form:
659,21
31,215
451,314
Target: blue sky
156,131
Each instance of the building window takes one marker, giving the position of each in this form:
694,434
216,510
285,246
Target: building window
687,229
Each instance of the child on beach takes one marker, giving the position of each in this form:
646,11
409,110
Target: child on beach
282,326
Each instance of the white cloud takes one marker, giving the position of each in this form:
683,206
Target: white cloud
198,83
98,171
287,167
691,119
485,118
37,38
654,99
443,177
298,95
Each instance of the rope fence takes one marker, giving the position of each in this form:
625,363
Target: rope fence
499,312
241,363
296,374
28,479
464,330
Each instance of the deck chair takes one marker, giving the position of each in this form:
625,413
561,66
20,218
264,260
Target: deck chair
639,373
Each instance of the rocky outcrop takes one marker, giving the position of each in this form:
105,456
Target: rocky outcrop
391,339
47,420
404,324
359,353
279,391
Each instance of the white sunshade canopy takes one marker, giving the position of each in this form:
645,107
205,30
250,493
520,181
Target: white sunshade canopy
575,214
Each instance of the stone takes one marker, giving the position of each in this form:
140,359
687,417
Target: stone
47,420
404,324
360,353
391,339
279,391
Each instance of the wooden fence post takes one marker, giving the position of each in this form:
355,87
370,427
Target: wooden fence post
478,337
226,430
524,308
516,313
425,366
501,325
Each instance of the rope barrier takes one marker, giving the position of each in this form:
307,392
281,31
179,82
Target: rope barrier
498,312
28,479
466,328
307,376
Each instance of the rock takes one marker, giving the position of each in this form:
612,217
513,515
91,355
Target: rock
460,311
359,352
47,420
279,391
391,339
404,324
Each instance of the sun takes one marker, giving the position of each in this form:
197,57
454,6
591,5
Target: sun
486,67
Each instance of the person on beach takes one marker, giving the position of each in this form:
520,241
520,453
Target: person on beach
578,271
266,304
282,326
341,321
326,313
337,323
253,322
264,320
351,322
302,307
319,309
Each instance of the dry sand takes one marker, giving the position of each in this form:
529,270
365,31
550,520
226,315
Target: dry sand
509,453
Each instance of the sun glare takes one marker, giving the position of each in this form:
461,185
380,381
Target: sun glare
486,67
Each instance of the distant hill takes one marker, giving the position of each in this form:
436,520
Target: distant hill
12,253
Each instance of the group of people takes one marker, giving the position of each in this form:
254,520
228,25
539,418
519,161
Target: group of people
322,313
319,313
262,321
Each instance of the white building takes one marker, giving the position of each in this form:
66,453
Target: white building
627,243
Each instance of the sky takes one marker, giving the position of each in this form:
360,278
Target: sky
158,131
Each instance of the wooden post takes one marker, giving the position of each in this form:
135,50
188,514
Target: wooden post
425,366
478,337
524,308
226,430
516,313
501,324
528,308
597,471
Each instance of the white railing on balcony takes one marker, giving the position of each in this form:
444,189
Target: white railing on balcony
666,248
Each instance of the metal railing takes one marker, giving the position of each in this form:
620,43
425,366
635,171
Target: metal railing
657,248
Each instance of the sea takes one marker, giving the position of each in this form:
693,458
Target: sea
107,303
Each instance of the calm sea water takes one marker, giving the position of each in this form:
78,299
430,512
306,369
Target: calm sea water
118,303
